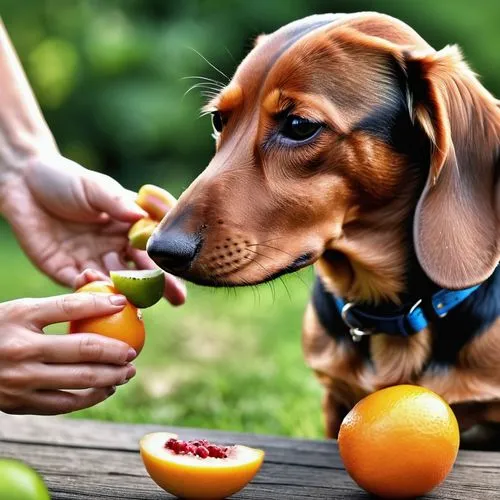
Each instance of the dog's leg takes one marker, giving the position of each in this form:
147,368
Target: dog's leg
334,366
333,413
479,425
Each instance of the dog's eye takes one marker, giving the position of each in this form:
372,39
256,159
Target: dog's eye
218,122
299,129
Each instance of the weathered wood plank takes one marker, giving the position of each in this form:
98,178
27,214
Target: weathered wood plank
108,435
93,473
87,459
118,474
94,434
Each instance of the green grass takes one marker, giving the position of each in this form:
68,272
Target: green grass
228,359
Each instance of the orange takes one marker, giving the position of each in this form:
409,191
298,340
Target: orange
399,442
126,325
191,477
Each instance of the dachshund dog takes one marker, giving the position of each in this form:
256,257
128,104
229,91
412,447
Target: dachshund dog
347,141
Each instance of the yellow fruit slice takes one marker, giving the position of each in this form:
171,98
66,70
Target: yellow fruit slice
155,200
193,477
140,232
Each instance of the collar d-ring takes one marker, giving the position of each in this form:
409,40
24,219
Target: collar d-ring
356,333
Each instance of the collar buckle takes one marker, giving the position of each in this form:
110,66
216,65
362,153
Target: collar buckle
356,333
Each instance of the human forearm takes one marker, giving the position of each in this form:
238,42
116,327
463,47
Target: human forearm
23,130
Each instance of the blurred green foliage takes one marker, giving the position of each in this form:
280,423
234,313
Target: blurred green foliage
111,76
228,359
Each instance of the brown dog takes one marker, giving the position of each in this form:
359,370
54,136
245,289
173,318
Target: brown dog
347,141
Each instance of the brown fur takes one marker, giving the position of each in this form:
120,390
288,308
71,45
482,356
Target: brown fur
343,200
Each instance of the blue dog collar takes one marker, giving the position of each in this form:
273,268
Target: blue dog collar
361,323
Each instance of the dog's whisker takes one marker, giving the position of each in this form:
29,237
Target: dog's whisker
255,291
272,248
210,64
208,93
280,278
266,256
205,96
204,113
230,55
210,80
259,254
195,86
255,261
203,85
270,283
209,86
286,288
299,277
273,290
267,241
189,90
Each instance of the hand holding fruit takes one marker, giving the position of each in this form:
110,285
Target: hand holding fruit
140,288
53,374
68,218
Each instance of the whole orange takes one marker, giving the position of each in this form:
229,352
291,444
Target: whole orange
126,325
399,442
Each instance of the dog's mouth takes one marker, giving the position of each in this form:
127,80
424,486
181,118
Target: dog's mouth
229,254
251,277
231,262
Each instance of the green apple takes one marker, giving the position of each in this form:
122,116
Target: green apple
18,481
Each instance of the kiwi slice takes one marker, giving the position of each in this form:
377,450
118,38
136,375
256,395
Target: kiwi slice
142,288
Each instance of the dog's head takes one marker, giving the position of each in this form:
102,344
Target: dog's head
332,124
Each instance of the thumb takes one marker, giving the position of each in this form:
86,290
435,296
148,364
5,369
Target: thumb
107,196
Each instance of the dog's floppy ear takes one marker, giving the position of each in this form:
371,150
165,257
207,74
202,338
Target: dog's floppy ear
456,225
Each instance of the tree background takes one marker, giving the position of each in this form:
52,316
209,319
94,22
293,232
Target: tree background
109,74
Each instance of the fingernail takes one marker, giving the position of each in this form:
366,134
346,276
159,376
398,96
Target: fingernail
130,374
118,300
131,371
131,354
133,207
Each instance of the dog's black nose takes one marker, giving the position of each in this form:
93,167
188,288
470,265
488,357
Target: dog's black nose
173,251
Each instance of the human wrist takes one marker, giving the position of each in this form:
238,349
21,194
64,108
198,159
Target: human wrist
23,143
17,154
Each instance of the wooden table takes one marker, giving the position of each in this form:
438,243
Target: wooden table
82,459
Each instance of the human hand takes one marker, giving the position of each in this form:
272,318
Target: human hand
68,218
54,374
